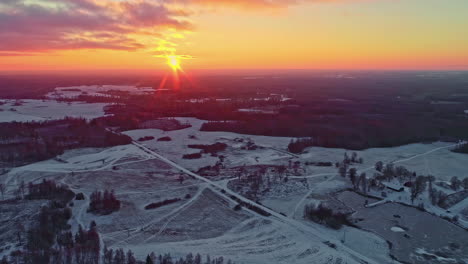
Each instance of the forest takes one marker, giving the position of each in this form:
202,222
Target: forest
35,141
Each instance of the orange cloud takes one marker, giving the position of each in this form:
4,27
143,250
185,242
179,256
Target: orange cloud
48,25
261,4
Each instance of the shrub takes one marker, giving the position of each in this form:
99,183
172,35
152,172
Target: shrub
103,203
325,216
463,148
162,203
297,146
145,138
192,156
79,196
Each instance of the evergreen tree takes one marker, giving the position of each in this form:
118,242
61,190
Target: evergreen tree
130,257
149,260
379,166
465,183
455,183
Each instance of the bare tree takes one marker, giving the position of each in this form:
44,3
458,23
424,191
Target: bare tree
455,183
352,176
363,180
22,188
379,166
343,170
418,187
465,183
2,190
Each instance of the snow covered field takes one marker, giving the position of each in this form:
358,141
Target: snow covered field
39,110
431,159
203,218
409,229
96,90
176,148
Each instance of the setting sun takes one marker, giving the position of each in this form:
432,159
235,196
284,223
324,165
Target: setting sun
174,62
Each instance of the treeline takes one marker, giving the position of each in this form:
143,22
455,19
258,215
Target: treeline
35,141
119,256
462,148
103,203
298,145
338,132
48,190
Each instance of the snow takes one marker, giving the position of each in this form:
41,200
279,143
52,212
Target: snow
96,90
275,240
435,159
313,232
407,228
250,110
147,172
438,258
39,110
101,160
397,229
176,148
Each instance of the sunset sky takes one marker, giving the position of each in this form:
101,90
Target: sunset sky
233,34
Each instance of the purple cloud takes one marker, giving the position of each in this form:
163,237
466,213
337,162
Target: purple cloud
81,24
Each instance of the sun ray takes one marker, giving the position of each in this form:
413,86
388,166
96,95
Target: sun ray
174,62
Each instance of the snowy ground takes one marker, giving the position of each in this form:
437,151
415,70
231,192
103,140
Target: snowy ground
176,148
409,229
40,110
426,159
96,90
203,220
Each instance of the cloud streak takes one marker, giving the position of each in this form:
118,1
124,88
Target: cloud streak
35,26
261,4
47,25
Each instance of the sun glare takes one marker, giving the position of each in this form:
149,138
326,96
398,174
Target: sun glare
174,62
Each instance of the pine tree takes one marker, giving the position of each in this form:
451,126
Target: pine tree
455,183
108,255
149,260
342,170
364,183
130,257
379,166
465,183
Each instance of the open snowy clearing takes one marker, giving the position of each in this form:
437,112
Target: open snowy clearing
203,218
428,159
409,229
96,90
435,158
177,147
41,110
